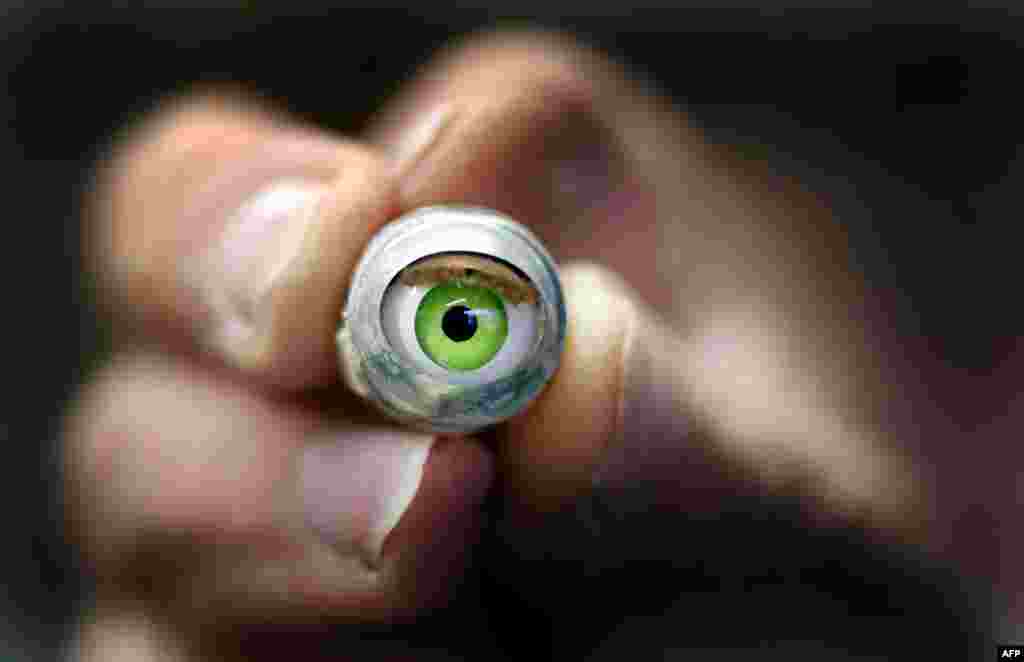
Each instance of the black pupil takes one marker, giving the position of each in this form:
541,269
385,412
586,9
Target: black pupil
458,323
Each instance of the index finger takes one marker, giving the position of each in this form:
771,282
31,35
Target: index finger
712,345
230,225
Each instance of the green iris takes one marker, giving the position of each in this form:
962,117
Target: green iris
461,326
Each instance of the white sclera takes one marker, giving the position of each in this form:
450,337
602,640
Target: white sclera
398,319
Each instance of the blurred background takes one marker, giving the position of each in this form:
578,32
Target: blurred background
907,122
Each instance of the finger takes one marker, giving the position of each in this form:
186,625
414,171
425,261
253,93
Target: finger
533,125
768,363
194,494
700,415
228,224
606,170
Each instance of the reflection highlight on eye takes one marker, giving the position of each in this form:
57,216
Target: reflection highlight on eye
471,316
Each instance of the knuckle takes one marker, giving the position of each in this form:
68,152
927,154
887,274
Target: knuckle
89,440
556,65
144,174
188,127
177,143
565,52
600,283
113,420
91,413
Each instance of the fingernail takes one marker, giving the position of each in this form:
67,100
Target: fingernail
415,142
261,240
357,486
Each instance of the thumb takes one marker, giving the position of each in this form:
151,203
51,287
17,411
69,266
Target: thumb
617,409
699,413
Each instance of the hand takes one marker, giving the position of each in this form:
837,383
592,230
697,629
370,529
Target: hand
221,477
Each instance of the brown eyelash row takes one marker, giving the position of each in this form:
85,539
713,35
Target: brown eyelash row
471,270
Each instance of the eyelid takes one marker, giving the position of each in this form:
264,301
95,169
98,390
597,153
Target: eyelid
485,271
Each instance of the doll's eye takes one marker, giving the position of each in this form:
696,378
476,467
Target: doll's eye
454,319
472,316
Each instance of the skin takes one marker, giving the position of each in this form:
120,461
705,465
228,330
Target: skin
694,282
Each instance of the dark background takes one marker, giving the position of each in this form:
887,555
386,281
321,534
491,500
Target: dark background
909,121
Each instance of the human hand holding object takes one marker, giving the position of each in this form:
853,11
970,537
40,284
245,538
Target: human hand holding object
218,458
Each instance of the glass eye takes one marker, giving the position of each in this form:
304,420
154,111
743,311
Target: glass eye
454,320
